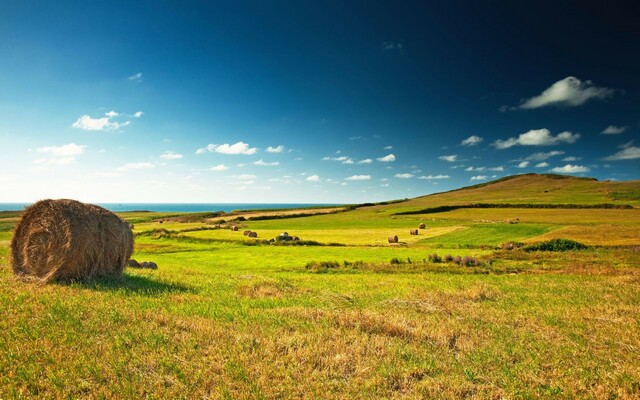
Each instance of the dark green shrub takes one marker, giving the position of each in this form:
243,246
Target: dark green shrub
556,245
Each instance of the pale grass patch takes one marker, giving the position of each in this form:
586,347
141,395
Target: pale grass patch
599,235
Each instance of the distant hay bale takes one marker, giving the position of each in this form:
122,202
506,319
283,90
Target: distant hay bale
252,234
148,265
69,240
133,264
246,233
413,231
393,239
422,226
234,228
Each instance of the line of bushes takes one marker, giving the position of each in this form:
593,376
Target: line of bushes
439,209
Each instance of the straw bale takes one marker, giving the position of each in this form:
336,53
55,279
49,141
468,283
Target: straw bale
70,240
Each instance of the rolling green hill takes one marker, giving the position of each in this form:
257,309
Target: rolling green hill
530,189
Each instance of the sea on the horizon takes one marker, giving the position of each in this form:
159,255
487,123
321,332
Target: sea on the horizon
184,207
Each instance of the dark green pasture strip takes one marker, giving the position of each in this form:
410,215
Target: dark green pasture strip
433,210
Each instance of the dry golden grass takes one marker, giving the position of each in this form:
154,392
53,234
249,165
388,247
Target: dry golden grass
598,235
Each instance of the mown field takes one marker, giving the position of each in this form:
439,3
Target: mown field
345,314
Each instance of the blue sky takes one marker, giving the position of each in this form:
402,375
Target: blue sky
319,102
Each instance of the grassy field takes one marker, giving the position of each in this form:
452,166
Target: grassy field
347,315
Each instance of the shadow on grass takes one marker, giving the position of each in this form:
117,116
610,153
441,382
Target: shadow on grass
134,284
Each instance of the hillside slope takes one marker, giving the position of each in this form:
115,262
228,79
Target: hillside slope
530,189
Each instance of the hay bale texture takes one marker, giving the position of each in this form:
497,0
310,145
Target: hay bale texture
393,239
70,240
422,226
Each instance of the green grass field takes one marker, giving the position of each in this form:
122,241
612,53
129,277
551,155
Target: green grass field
226,316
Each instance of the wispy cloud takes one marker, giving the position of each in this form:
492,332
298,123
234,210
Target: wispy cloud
138,114
433,177
136,77
387,158
342,159
67,150
219,168
111,114
537,137
358,178
365,161
449,158
479,178
313,178
569,91
389,45
542,165
134,166
571,158
234,149
628,152
544,156
263,163
388,148
614,130
277,149
570,169
404,176
472,141
170,155
523,164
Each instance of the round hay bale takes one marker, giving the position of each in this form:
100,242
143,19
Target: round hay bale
149,265
246,233
234,228
133,264
393,239
252,234
67,240
422,226
413,232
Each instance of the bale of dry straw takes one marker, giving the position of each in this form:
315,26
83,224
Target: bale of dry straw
413,232
68,240
393,239
422,226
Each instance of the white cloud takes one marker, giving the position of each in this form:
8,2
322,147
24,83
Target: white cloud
479,178
393,46
537,137
628,152
387,158
67,150
543,156
365,161
450,158
313,178
263,163
614,130
496,169
219,168
404,176
96,124
170,155
542,164
237,148
432,177
245,177
139,165
358,178
138,114
342,159
277,149
569,91
111,114
570,169
523,164
571,158
55,161
136,77
472,141
475,169
388,148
